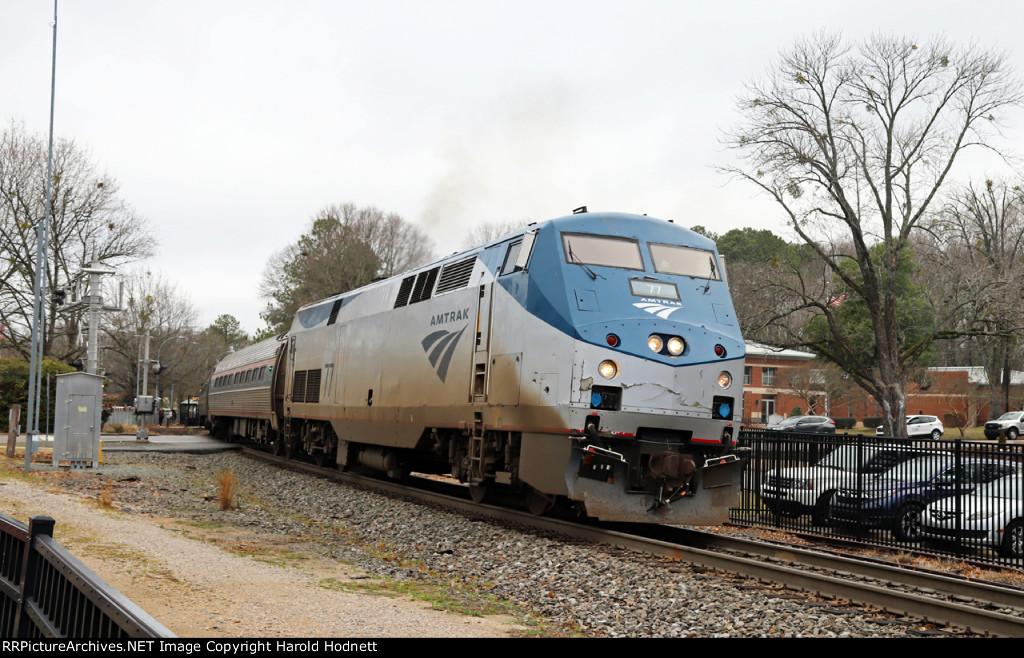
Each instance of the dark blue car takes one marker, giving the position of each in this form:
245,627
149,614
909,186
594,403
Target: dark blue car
896,498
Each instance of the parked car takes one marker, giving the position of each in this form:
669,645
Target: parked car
1012,423
810,489
805,425
919,425
895,499
991,516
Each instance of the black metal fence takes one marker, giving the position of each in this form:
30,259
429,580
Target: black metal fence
48,593
962,498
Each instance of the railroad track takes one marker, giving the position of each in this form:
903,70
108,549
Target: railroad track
974,606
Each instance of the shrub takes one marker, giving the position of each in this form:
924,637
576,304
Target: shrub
873,421
797,411
845,423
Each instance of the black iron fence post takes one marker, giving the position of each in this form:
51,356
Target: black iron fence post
37,526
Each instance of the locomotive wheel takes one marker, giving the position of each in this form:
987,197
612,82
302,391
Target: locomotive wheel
539,503
279,446
477,492
289,448
320,458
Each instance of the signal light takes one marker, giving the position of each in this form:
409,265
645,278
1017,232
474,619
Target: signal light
613,340
719,351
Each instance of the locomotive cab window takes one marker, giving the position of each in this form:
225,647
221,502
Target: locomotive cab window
511,255
685,261
581,249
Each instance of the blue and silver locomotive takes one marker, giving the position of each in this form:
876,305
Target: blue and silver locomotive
594,358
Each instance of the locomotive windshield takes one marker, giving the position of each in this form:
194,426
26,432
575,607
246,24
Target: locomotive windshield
686,261
602,250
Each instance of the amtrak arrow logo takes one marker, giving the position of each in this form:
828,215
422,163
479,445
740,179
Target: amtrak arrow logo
440,347
660,310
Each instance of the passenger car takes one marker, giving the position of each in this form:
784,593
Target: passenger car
810,489
806,425
896,498
1012,423
991,516
919,425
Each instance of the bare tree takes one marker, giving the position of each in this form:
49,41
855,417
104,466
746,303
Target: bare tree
980,240
855,145
486,231
344,248
89,220
154,305
398,245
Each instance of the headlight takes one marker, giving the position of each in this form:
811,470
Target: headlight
981,514
676,346
655,343
725,380
608,369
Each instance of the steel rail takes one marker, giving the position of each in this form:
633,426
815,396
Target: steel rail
932,604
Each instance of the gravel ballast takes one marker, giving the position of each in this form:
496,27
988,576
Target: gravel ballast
549,586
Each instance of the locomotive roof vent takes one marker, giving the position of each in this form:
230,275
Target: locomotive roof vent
580,210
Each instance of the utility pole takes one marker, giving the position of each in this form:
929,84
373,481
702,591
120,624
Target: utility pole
84,416
143,403
35,369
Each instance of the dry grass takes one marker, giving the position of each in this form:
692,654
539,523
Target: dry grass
107,497
227,488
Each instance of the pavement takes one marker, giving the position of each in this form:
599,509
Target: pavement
190,443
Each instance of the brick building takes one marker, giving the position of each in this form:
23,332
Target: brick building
777,381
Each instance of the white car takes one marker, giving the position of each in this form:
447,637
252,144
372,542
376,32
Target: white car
810,489
991,516
919,426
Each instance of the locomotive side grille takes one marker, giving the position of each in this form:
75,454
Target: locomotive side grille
404,291
299,386
424,285
306,386
313,387
455,275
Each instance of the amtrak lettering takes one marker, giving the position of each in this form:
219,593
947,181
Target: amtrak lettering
450,316
440,346
664,302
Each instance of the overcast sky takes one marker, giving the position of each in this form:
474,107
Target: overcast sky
229,123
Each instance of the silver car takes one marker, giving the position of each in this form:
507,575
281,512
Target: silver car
810,489
991,516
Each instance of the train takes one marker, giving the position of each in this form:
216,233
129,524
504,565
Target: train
592,360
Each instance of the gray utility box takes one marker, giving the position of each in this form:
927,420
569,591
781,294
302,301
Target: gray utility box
76,429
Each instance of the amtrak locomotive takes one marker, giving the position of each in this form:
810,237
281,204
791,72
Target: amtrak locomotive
594,358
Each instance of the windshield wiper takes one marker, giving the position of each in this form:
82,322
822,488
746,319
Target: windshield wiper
707,285
574,258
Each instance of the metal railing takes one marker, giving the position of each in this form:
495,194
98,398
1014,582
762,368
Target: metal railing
955,497
48,593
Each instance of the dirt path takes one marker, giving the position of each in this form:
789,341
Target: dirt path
178,573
